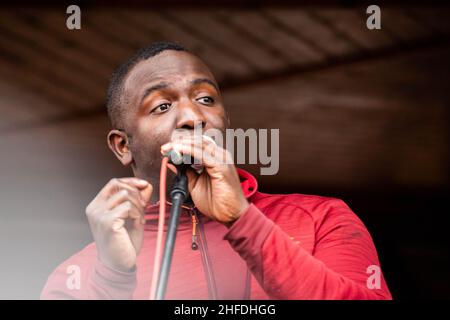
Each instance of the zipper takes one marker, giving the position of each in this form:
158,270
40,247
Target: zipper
194,244
206,260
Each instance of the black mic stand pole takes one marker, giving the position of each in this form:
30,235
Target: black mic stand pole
178,194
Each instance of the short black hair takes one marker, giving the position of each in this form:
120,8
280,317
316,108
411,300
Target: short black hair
114,98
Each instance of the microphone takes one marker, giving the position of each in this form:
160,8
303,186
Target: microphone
177,159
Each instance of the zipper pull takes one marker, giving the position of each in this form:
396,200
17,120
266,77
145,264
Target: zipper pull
194,245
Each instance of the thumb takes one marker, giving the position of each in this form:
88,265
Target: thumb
192,178
146,192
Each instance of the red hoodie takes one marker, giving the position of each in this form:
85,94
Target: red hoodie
282,247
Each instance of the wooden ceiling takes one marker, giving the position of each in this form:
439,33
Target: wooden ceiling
353,105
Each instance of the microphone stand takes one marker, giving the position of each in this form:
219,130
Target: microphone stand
178,194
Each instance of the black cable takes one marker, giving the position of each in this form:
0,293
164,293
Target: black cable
178,194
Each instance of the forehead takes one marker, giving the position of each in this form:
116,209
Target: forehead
168,66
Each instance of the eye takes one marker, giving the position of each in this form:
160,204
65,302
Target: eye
206,100
161,108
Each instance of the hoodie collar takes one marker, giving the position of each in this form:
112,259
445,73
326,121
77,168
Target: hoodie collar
249,184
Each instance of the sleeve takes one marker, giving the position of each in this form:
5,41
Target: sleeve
343,265
81,278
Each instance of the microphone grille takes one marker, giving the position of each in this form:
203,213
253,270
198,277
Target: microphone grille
176,157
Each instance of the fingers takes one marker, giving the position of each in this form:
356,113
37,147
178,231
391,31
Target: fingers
138,183
139,188
146,193
205,150
205,158
202,142
122,212
118,191
116,184
122,196
128,203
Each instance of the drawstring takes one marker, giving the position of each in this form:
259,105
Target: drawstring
194,245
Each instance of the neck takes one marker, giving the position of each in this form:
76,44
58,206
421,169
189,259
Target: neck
153,178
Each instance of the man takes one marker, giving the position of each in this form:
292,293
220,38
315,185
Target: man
251,245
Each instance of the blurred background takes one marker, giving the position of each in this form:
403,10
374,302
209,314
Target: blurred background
363,116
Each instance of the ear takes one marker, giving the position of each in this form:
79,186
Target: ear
228,120
118,143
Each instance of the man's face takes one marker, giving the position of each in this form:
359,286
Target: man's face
169,91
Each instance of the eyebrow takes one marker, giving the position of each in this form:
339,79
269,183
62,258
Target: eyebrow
155,87
205,80
164,85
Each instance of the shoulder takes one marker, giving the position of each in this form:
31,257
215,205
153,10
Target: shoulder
78,264
83,257
315,207
312,218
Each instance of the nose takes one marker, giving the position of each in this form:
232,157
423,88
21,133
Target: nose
189,116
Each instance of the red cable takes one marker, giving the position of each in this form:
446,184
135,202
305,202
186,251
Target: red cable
161,219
